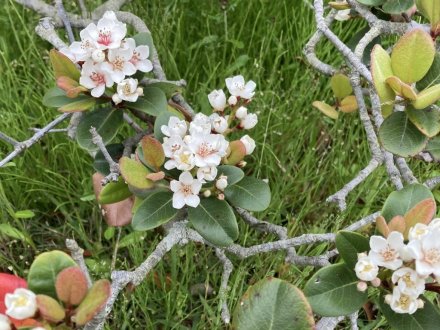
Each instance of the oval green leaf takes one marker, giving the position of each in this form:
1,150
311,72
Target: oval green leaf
249,193
426,120
433,147
233,173
215,221
135,173
63,66
349,244
341,86
427,97
433,76
332,291
153,102
56,98
328,110
273,304
114,192
93,302
397,6
381,70
431,10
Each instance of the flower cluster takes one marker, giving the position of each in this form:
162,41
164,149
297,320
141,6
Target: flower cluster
198,148
107,57
20,305
414,264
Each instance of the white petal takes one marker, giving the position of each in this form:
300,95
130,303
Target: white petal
186,178
178,200
98,91
192,200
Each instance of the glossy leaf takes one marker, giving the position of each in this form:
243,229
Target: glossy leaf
380,71
215,221
80,105
57,98
70,86
71,285
155,210
135,173
249,193
413,55
422,212
341,86
349,244
63,66
433,76
431,10
44,270
400,136
93,302
50,309
397,6
328,110
106,122
401,201
153,152
371,2
273,304
433,147
426,120
153,102
112,192
233,173
427,97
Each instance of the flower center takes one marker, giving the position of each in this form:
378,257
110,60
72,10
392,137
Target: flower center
368,267
21,301
404,301
126,89
432,256
185,157
118,63
135,58
186,189
104,37
97,78
388,254
205,150
407,279
238,85
175,147
85,44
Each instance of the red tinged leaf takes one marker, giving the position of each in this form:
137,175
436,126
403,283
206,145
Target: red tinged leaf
71,285
8,284
422,212
93,302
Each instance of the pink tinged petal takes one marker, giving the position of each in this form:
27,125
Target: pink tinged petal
178,200
144,65
186,178
91,30
108,79
98,91
192,200
378,243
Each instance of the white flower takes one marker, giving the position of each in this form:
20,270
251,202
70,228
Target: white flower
98,56
208,149
408,281
217,99
365,269
249,144
417,231
183,161
108,33
427,253
140,55
95,78
172,145
207,173
119,64
434,224
128,90
21,304
219,123
232,100
403,303
80,51
237,87
241,113
186,191
201,124
5,324
222,182
175,127
343,15
385,252
249,121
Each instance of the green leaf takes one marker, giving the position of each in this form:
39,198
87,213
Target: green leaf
400,136
63,66
106,122
101,164
326,109
152,152
44,270
433,147
249,193
426,120
401,201
427,97
433,76
93,302
50,309
153,102
425,318
215,221
135,174
114,192
397,6
233,173
349,244
155,210
56,98
381,70
132,238
273,304
431,10
168,88
341,86
144,38
413,55
24,214
80,105
332,291
372,3
12,232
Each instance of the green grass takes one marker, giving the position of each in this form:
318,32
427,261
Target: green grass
305,156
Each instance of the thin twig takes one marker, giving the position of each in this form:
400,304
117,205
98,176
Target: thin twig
8,139
63,16
78,255
114,167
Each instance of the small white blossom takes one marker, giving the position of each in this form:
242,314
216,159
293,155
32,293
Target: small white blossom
241,113
128,90
139,56
249,121
201,124
108,33
217,99
186,191
98,56
434,224
403,303
232,100
95,78
385,252
183,161
80,51
172,145
249,144
408,281
207,173
118,64
237,87
208,149
427,253
365,269
175,127
219,123
222,182
417,231
343,15
5,324
21,304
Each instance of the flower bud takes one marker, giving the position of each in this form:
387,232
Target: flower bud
388,298
221,197
249,121
232,100
116,99
242,164
98,56
376,282
420,303
140,91
222,182
207,193
241,113
249,144
4,322
362,286
217,99
362,255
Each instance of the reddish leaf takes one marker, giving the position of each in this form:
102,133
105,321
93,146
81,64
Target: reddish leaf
93,302
50,309
382,226
153,152
71,285
422,212
8,284
397,224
